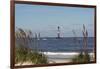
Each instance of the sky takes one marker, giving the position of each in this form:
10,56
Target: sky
45,20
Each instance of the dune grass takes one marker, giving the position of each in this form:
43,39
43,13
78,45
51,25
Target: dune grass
84,56
23,53
81,58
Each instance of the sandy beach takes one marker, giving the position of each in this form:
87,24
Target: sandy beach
58,57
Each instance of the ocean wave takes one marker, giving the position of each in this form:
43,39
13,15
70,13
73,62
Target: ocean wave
62,53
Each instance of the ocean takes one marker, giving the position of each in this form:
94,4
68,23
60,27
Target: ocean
52,44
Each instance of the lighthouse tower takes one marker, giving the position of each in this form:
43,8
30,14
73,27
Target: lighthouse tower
58,32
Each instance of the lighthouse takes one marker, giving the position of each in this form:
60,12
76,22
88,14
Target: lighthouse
58,32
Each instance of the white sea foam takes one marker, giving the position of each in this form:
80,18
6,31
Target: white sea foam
59,57
60,53
63,53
